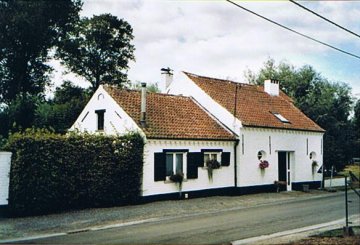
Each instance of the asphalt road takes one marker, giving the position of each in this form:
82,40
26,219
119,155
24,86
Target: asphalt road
220,227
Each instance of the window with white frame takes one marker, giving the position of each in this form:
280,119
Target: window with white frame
211,156
281,117
175,163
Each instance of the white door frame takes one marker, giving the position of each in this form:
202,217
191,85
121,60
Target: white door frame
289,166
288,171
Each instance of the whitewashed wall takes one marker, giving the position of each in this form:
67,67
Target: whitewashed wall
335,182
116,120
223,177
248,171
185,86
5,162
256,139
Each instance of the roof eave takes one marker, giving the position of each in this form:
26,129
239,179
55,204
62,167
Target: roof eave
199,139
280,128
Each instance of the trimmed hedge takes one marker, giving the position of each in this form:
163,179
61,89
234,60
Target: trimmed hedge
52,173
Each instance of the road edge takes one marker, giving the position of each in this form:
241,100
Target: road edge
296,234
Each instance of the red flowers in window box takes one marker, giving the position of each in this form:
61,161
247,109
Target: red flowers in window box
263,164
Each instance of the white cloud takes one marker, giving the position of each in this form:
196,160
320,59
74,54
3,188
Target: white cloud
215,38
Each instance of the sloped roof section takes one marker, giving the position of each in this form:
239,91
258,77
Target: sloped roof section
253,106
170,116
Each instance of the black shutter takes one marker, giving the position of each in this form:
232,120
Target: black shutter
159,166
194,160
225,159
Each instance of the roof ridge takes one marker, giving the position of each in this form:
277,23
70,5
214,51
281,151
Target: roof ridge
149,92
219,79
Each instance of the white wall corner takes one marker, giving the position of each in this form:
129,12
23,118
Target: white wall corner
5,163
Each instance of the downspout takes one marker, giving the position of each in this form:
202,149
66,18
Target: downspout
235,162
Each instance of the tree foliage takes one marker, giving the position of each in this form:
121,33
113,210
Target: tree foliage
28,29
328,104
152,87
99,49
57,114
356,125
61,112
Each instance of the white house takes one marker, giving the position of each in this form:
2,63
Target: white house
179,136
268,125
242,126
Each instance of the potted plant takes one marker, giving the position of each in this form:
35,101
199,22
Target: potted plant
211,165
263,164
178,178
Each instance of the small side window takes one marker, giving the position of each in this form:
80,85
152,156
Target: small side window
208,156
261,155
312,155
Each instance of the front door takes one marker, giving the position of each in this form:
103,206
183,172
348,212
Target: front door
284,171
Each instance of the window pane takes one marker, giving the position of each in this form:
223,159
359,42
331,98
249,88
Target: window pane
169,164
206,158
179,163
100,119
213,156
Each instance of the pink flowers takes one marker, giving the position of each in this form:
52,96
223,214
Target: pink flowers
263,164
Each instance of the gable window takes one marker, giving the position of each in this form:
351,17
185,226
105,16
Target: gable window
100,119
280,117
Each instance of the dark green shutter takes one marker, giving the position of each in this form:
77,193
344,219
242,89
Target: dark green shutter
194,160
225,159
159,166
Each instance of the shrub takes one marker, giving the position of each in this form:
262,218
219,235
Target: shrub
52,173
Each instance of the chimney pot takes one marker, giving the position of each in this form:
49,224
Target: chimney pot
168,77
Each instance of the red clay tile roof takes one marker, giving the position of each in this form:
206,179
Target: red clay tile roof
255,107
169,116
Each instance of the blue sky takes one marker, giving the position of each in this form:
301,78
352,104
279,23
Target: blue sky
214,38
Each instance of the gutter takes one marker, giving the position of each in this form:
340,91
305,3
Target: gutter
191,139
290,129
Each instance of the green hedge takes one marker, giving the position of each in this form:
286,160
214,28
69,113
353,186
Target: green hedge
52,173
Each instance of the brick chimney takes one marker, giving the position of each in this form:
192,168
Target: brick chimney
271,87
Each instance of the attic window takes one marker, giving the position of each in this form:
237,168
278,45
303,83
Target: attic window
281,117
100,119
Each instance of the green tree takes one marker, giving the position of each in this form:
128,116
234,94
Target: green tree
152,87
357,116
99,49
28,29
61,112
328,104
19,114
356,125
